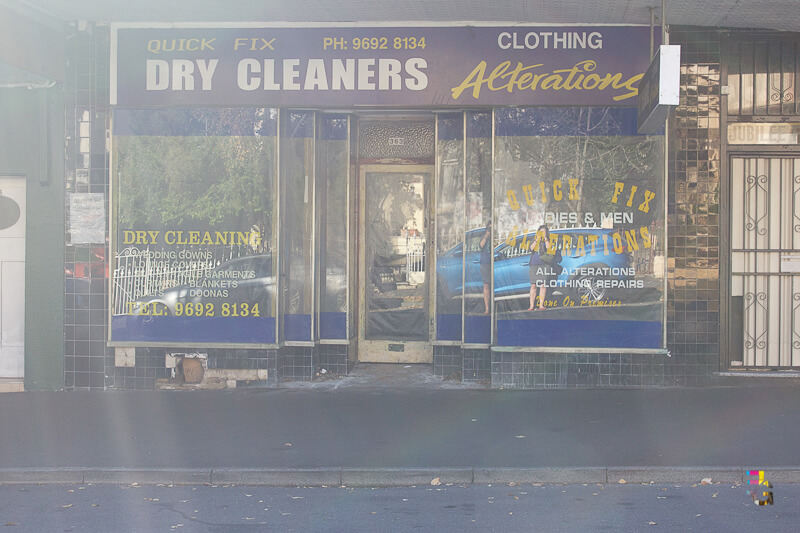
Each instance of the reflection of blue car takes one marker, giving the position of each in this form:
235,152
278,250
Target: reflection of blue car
591,266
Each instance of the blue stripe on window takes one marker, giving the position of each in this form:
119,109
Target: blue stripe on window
565,121
194,122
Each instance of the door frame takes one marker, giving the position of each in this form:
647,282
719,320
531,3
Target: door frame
730,328
17,351
393,351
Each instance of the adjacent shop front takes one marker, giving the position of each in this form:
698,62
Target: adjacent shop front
477,197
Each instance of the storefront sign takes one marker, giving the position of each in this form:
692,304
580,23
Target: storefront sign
660,89
398,66
763,133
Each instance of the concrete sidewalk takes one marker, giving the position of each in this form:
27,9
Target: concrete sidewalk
325,434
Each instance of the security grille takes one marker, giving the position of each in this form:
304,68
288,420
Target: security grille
765,244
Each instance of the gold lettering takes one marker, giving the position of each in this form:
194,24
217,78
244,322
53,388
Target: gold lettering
645,206
528,190
630,198
592,240
617,243
503,77
476,75
630,239
580,249
618,188
573,189
557,190
645,237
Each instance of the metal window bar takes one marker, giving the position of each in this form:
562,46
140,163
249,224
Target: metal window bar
765,274
763,76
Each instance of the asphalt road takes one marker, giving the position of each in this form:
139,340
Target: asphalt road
502,508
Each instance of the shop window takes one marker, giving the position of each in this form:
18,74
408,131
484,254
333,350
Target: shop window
578,204
478,216
297,192
193,226
334,181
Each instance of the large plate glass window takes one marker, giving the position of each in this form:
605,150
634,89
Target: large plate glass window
334,167
480,238
579,212
449,225
194,226
297,245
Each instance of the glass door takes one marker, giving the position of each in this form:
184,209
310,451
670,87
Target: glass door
395,293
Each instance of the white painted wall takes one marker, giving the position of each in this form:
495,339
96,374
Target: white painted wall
12,283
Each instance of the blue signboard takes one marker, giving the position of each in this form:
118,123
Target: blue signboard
382,66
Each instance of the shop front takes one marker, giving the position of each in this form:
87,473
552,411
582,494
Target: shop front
290,199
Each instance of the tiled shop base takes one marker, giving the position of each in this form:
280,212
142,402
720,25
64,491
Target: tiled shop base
524,370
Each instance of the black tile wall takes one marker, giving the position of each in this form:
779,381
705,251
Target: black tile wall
528,370
297,363
693,218
476,366
333,358
149,368
88,364
447,361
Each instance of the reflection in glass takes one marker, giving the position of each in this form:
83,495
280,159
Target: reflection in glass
449,223
333,169
479,242
396,292
194,225
297,179
598,187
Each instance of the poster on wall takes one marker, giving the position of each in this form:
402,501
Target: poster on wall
87,218
193,225
420,65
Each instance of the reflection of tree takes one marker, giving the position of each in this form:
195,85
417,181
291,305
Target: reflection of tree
333,176
394,203
450,200
197,181
598,158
